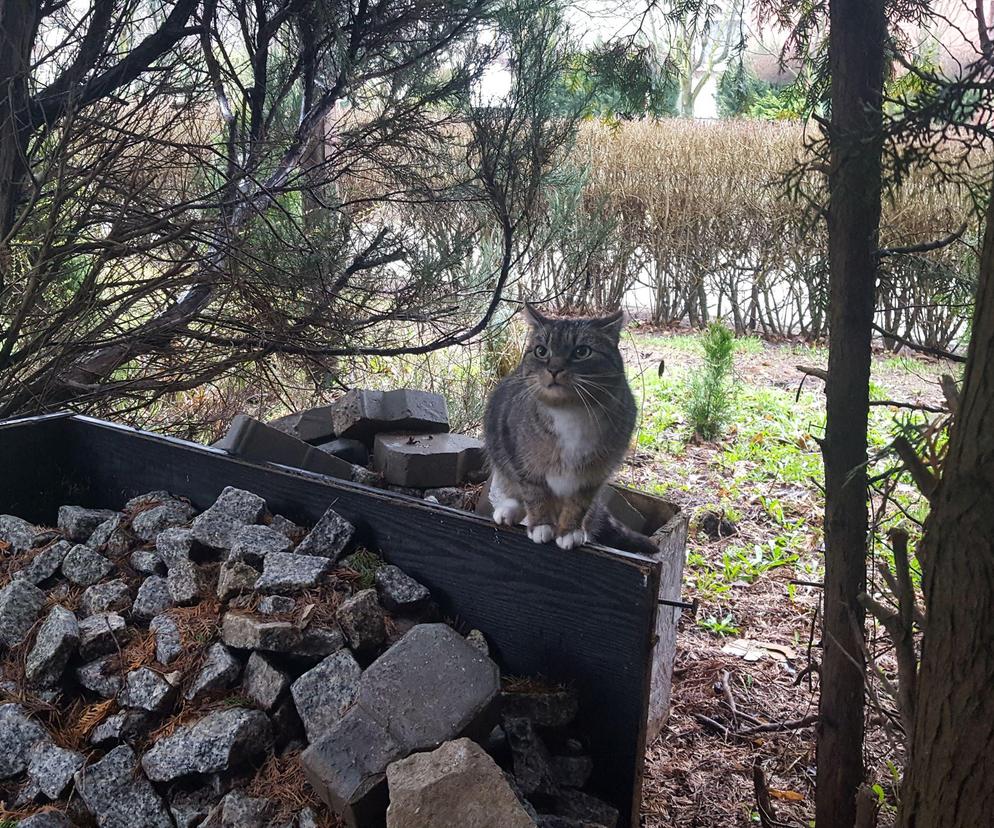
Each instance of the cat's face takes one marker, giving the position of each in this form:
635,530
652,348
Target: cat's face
571,360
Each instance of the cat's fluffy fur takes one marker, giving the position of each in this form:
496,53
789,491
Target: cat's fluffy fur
557,428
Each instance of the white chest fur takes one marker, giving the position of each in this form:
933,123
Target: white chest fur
575,436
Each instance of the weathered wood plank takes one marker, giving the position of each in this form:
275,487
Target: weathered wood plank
587,616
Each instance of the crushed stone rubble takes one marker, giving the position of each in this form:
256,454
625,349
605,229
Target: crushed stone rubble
163,665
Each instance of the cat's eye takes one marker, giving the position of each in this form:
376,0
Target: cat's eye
541,352
581,352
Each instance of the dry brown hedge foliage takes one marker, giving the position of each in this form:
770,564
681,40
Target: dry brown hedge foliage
695,218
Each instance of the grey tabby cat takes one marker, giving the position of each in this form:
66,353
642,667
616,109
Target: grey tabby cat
557,428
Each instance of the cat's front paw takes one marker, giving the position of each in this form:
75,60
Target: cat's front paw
542,533
508,514
576,537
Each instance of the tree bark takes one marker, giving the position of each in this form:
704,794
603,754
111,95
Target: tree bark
856,44
17,30
950,778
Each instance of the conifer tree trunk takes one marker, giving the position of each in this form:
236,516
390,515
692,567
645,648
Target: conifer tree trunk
950,780
856,45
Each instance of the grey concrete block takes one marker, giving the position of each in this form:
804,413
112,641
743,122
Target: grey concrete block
169,513
19,733
174,546
18,533
362,414
351,451
168,643
51,768
219,671
426,461
153,598
347,767
431,686
252,543
235,578
311,425
145,689
253,440
101,676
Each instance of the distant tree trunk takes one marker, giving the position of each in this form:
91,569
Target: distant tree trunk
950,778
856,46
17,32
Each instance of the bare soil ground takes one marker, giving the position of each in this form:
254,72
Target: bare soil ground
698,773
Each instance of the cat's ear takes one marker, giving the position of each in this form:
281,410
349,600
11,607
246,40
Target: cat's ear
533,317
611,325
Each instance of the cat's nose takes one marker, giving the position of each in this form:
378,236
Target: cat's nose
555,371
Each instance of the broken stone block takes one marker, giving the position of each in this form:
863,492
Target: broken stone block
46,819
263,682
51,768
276,604
190,807
113,536
219,671
112,595
586,808
57,640
331,537
17,532
431,686
368,477
217,742
20,603
347,767
309,426
174,546
399,592
351,451
149,523
100,634
84,566
285,526
101,676
186,583
243,632
361,619
145,689
253,543
118,796
254,440
235,578
123,726
554,708
45,564
146,562
77,523
233,509
287,572
361,415
168,644
153,598
19,733
532,761
424,461
572,771
325,692
238,810
455,786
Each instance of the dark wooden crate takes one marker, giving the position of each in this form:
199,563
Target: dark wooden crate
587,616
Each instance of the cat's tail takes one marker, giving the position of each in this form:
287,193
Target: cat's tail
605,529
